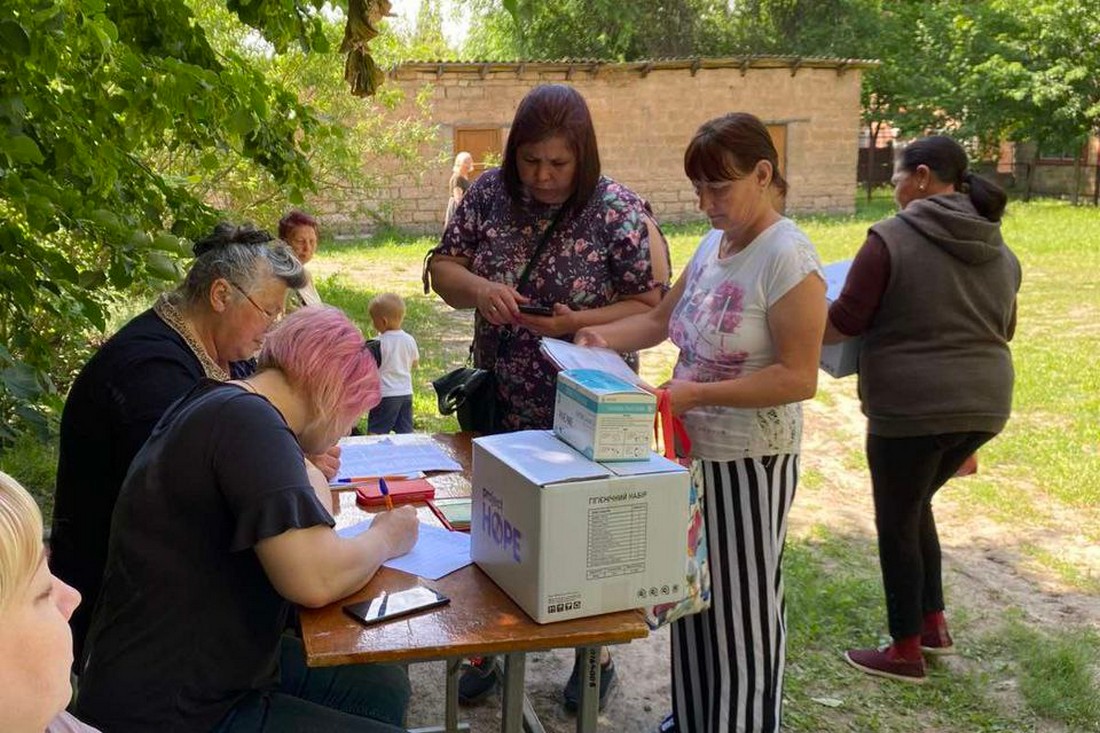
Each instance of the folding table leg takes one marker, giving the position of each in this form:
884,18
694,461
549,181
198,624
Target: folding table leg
531,722
511,719
450,711
588,701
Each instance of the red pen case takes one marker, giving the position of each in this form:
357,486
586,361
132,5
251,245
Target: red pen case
401,492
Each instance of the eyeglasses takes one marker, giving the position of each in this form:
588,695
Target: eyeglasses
272,318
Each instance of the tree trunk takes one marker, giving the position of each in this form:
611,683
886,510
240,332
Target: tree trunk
1031,173
872,131
1096,178
1077,179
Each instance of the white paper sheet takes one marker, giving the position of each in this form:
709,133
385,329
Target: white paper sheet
437,552
570,356
391,455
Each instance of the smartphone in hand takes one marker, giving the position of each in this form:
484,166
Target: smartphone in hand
533,309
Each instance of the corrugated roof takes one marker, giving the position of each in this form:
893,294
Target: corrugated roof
571,65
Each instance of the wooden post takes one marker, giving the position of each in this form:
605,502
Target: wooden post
1077,177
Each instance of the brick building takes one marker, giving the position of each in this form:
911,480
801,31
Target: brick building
645,113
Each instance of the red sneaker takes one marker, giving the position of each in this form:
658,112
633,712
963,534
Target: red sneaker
886,662
937,642
969,467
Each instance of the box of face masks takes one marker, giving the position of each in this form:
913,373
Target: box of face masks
842,359
566,537
603,416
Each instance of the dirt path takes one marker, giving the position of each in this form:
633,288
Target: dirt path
988,565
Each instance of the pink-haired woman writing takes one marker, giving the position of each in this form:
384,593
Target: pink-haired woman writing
220,526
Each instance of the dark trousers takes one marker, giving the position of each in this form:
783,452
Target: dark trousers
362,698
905,474
392,414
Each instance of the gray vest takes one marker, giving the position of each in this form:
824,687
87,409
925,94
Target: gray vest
935,358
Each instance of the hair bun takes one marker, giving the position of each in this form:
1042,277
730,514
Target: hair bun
225,234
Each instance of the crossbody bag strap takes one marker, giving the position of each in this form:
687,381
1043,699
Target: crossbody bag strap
539,249
525,276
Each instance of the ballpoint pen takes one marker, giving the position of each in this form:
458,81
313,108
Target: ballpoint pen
385,491
365,479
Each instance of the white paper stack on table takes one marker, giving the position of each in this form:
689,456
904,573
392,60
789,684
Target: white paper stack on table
391,455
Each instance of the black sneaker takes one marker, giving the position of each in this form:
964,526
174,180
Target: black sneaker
668,725
572,689
479,679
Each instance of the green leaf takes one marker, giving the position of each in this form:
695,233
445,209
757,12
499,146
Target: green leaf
35,420
140,239
166,243
14,38
161,266
92,279
21,382
21,149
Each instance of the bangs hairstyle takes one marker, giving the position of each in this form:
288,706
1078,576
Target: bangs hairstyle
321,353
20,538
728,148
546,111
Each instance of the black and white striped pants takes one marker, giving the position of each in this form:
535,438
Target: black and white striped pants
727,662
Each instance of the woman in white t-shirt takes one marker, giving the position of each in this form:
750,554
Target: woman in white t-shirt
747,314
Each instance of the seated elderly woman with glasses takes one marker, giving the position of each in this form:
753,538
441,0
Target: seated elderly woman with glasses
211,326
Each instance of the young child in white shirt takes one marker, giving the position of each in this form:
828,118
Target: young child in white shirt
399,357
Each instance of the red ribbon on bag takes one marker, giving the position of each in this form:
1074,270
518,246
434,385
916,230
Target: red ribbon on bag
671,429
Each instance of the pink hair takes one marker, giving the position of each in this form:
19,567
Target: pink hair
321,353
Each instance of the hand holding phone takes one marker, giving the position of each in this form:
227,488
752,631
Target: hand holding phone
534,309
391,605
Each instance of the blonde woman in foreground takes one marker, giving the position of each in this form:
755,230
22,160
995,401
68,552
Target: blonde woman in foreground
36,646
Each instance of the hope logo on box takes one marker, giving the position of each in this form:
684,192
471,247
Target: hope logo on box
498,528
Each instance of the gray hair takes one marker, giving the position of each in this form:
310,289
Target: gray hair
242,255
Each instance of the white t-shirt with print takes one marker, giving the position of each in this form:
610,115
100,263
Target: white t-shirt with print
399,352
721,328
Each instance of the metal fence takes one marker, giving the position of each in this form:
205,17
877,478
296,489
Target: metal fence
1057,179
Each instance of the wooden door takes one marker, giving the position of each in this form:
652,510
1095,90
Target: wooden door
479,141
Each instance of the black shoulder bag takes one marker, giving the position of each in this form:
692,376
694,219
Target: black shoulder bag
470,391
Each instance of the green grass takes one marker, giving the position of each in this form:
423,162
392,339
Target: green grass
1057,673
835,602
422,320
1043,468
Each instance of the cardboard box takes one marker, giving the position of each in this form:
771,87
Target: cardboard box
566,537
603,416
842,359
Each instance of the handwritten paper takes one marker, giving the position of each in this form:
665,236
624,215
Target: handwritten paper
437,552
570,356
391,455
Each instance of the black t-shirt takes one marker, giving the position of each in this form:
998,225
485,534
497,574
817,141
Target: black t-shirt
187,620
118,397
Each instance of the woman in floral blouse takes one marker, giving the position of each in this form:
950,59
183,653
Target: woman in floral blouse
596,267
604,259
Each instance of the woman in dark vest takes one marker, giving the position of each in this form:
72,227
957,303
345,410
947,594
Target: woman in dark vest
933,293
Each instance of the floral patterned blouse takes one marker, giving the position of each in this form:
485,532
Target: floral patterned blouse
592,259
721,328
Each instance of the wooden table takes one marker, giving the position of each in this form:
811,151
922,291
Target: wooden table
481,620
